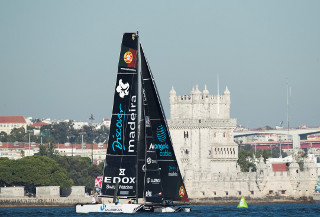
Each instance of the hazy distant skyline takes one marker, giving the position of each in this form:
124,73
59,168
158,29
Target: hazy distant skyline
58,59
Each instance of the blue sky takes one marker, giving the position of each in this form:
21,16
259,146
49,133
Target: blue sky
58,59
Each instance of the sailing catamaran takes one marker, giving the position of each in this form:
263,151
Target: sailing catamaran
140,160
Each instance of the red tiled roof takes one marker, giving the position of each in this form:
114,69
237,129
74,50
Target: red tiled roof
279,167
12,119
38,125
78,146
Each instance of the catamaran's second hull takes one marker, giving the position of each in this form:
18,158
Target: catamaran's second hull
127,208
172,209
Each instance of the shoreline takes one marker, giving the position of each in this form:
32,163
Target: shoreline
192,203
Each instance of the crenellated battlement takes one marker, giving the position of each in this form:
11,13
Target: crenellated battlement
200,105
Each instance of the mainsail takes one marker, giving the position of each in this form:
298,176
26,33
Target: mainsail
160,140
121,159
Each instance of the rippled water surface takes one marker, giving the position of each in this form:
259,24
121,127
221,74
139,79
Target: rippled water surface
217,210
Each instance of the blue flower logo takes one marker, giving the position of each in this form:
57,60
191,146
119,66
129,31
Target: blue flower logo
161,133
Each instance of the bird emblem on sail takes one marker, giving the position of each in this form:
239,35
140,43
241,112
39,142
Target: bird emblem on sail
123,89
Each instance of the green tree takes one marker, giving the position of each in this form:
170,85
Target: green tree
6,171
245,160
276,152
47,150
263,153
300,157
33,171
18,134
3,136
80,170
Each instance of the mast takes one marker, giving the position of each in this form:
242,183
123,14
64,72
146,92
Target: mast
121,158
287,107
218,96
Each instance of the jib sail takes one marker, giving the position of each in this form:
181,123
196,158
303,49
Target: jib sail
171,180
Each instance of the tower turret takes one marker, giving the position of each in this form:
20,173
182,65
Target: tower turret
205,91
172,97
227,92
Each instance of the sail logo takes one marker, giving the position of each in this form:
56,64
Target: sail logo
119,130
161,133
132,123
147,121
181,191
128,57
150,161
123,89
121,124
173,171
164,149
148,193
124,180
121,173
153,181
162,136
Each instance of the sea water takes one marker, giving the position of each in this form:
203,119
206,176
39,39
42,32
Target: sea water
310,209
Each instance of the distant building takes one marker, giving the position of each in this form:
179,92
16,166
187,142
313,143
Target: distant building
77,125
18,150
8,123
106,122
39,125
97,151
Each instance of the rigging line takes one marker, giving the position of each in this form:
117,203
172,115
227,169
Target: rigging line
167,160
122,114
119,155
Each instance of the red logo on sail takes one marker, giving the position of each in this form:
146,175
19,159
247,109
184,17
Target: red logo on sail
128,57
181,191
98,182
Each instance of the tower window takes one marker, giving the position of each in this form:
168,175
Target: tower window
186,134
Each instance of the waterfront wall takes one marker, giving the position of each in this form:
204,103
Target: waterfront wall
47,191
45,196
9,192
263,184
53,201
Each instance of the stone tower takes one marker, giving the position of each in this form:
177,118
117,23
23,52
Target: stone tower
202,133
